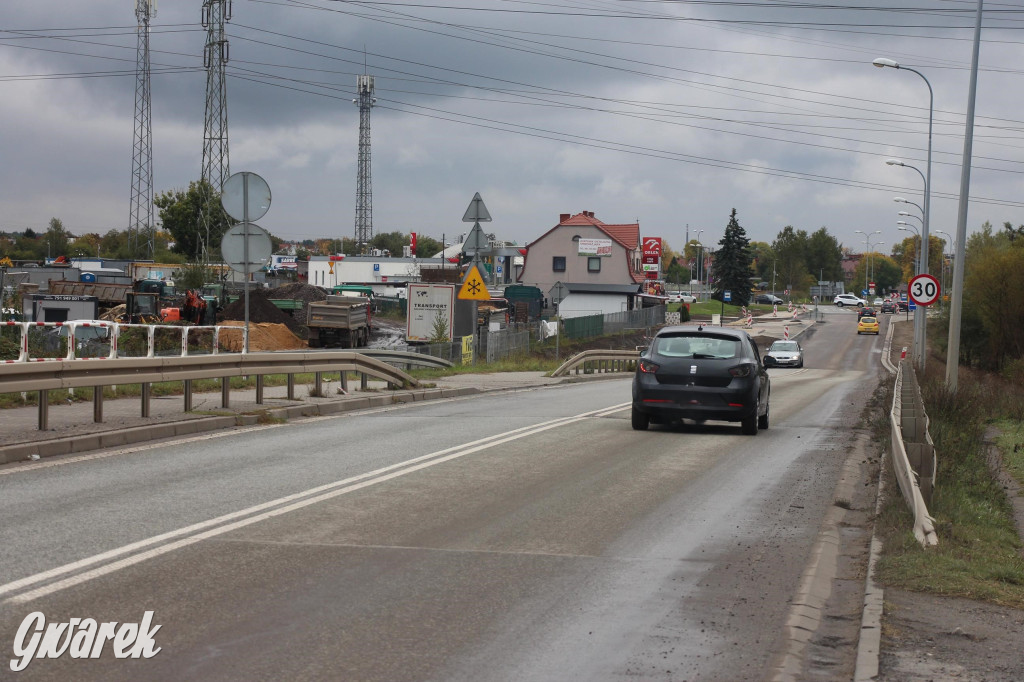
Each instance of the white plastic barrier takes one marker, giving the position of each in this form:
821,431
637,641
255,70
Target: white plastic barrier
99,340
924,528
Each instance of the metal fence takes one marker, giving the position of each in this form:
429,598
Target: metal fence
505,343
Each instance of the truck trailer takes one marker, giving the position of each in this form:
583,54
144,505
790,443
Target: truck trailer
339,321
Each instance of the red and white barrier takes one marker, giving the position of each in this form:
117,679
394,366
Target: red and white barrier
786,332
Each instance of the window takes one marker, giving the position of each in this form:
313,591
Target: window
558,263
594,264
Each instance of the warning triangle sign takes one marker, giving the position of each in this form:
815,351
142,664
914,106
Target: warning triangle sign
473,287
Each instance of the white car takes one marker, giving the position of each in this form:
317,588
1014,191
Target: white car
877,302
848,299
680,297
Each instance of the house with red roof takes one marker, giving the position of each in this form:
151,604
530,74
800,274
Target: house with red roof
595,265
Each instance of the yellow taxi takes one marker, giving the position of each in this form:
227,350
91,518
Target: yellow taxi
867,325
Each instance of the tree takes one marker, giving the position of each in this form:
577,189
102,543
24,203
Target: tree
884,271
824,256
427,247
732,263
57,238
763,260
789,247
194,217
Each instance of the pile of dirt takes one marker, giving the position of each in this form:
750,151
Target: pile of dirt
261,310
299,291
263,336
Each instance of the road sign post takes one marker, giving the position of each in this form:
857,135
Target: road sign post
246,196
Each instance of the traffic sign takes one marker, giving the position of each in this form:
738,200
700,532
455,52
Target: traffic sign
923,289
473,287
726,296
477,212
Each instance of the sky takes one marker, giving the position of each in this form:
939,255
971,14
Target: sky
661,112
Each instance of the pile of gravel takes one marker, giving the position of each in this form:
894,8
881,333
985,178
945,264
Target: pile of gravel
261,310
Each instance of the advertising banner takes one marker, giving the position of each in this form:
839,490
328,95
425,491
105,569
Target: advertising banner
595,247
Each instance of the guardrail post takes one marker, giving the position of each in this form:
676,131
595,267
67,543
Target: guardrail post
318,386
187,390
225,392
97,404
259,389
363,377
344,380
145,400
291,387
44,410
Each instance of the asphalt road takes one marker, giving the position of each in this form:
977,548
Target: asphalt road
527,535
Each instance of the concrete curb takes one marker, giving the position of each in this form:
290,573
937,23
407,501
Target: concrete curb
815,586
869,645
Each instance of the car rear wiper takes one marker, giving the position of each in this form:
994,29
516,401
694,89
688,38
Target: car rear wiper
704,356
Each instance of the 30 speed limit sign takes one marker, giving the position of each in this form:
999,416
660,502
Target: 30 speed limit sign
923,290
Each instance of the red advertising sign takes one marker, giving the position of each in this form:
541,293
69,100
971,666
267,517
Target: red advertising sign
651,249
412,243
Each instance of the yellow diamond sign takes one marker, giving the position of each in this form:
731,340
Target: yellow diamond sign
473,287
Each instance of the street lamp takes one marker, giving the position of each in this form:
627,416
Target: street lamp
942,272
867,236
920,328
907,227
922,264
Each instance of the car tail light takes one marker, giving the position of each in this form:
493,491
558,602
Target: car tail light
740,371
648,367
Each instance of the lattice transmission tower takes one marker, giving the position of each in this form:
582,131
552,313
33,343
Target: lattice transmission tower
216,167
364,190
216,164
140,216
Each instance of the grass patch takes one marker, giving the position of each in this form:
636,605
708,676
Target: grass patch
1011,442
979,551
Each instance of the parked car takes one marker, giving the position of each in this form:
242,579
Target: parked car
680,297
848,299
784,354
867,325
888,306
770,299
700,373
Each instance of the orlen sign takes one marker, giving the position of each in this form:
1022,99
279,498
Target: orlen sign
651,253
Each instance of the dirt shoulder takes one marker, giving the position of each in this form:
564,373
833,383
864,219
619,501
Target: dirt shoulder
931,637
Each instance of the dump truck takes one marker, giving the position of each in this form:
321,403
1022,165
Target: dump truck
339,321
107,294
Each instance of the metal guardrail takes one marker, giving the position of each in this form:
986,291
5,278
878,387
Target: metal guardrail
401,357
913,453
599,361
70,374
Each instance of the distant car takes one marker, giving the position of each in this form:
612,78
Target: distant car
877,302
784,354
867,325
866,312
848,299
769,299
902,305
680,297
697,372
888,306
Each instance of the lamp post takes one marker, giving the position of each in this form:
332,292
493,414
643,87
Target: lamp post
867,236
922,266
907,227
942,283
700,259
920,328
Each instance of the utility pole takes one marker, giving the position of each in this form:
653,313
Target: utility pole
140,214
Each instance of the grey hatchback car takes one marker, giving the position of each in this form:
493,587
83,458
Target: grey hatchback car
701,373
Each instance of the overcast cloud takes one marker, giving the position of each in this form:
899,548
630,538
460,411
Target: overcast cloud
667,113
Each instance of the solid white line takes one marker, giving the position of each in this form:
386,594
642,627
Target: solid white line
203,530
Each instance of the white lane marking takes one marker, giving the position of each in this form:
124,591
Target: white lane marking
203,530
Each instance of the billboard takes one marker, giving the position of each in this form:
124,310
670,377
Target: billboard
431,306
595,247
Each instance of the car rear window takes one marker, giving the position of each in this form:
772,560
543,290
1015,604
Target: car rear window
868,320
696,346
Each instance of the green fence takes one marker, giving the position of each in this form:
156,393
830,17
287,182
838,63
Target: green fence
583,327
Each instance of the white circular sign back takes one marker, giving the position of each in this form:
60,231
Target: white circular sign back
232,247
242,186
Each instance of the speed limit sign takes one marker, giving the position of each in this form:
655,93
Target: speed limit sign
923,289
